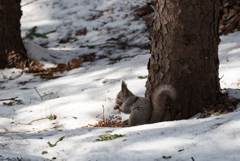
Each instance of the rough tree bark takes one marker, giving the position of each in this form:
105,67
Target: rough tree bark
184,53
12,51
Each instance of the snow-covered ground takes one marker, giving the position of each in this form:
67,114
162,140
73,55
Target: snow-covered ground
77,98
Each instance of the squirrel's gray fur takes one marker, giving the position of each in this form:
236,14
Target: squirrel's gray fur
140,108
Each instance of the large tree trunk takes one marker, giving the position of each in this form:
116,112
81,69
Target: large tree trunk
184,54
12,51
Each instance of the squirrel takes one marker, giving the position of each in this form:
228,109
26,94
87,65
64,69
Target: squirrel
140,108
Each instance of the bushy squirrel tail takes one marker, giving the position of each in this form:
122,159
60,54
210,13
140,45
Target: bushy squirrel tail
159,97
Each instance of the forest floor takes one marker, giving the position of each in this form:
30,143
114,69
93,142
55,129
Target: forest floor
56,119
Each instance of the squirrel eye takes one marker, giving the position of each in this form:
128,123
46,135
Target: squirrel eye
118,97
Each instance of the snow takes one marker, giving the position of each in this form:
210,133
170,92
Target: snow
77,98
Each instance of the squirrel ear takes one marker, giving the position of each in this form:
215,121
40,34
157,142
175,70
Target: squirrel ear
124,85
124,88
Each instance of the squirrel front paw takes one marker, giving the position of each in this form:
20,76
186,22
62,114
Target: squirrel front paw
117,106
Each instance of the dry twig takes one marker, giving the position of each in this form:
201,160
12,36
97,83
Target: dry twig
8,99
99,10
4,77
37,92
103,113
120,44
28,3
221,77
30,123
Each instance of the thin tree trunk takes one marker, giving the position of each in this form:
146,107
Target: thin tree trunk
184,54
12,51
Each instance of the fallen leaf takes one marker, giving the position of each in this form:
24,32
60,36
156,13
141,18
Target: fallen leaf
167,157
119,119
74,63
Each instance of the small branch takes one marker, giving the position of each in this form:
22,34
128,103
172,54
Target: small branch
52,145
13,78
28,3
30,123
98,115
221,77
50,77
37,92
66,134
4,77
121,44
8,99
99,10
83,46
15,132
103,113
